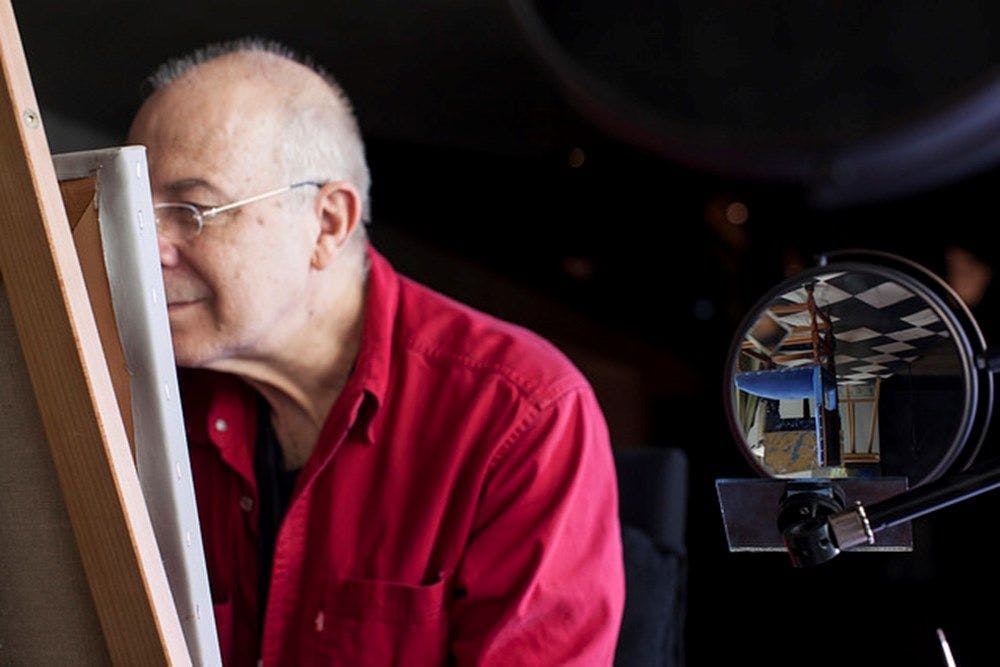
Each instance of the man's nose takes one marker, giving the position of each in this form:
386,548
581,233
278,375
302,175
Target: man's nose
169,255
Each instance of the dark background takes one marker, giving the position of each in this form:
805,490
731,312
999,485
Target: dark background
569,166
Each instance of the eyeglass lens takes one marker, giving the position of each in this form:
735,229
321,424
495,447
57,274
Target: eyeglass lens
176,221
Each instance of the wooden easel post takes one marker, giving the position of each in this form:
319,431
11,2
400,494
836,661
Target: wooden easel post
83,424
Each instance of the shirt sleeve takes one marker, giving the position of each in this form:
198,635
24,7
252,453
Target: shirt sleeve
541,581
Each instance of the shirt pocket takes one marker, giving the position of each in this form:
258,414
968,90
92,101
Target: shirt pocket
373,622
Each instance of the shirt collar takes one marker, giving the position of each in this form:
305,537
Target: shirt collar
372,366
366,388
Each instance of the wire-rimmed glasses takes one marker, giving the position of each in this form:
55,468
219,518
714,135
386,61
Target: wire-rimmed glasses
182,221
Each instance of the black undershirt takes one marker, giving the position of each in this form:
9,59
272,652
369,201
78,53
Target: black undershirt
274,490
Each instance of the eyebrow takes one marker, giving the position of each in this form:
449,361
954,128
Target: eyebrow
185,185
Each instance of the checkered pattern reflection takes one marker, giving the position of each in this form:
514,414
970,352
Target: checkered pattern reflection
880,327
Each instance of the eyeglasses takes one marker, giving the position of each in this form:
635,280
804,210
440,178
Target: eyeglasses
182,221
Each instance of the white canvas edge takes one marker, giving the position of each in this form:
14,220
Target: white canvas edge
131,255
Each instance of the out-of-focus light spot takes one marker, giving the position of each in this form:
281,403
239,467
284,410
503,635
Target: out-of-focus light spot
703,309
578,268
737,213
576,158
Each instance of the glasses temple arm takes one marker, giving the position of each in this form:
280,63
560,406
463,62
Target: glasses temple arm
208,213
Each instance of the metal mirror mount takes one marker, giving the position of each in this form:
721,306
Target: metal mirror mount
858,390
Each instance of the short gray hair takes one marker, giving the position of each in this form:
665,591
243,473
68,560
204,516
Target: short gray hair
321,141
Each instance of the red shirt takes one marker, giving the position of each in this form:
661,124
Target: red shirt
460,503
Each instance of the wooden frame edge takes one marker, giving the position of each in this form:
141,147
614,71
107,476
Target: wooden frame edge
72,386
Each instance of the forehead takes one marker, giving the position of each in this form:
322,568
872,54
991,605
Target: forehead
212,129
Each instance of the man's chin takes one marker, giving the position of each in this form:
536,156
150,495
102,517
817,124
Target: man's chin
187,360
191,336
190,354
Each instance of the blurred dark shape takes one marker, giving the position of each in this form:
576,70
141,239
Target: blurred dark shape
851,100
968,275
652,484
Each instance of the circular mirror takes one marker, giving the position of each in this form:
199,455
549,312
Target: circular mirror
864,366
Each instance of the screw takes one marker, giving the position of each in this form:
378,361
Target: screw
31,118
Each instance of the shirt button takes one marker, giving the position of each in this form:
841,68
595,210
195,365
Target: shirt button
221,426
246,503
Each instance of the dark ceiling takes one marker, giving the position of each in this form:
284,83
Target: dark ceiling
443,73
856,100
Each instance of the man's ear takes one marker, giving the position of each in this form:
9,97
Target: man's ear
338,208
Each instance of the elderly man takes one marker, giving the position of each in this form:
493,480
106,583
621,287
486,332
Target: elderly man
384,476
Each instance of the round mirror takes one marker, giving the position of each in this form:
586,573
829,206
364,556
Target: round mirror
864,366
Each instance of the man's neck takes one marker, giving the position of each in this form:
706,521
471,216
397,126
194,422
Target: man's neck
304,375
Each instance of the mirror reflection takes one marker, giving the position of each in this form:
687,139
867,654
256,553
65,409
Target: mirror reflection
849,374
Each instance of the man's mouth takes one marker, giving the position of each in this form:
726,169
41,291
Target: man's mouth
180,303
178,295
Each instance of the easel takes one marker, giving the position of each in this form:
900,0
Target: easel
75,397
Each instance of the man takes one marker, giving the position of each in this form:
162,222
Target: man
383,476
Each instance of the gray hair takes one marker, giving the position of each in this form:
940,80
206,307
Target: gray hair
321,140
